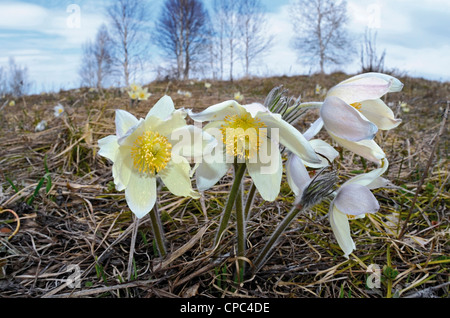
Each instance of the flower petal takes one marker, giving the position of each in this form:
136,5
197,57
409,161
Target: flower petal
218,111
380,114
255,108
176,177
165,127
108,147
122,168
290,137
372,179
355,199
208,174
296,174
266,172
367,149
326,153
124,122
314,129
341,230
345,121
141,194
365,87
163,108
192,142
394,84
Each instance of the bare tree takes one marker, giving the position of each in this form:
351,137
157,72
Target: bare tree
183,32
3,82
18,83
227,22
370,62
130,34
321,35
96,65
253,32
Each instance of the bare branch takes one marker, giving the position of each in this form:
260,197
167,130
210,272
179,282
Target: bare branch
321,36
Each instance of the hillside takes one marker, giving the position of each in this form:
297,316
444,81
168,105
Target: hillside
71,214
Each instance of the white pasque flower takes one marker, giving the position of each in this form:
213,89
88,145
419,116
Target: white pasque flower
143,94
353,112
249,134
41,126
145,149
296,173
238,97
354,200
58,110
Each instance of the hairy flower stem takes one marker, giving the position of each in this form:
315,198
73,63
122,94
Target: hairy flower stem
241,235
158,231
262,257
239,170
249,202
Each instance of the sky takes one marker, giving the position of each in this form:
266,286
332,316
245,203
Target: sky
47,37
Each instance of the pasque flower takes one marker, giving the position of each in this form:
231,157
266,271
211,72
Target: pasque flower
143,94
353,112
143,150
354,200
58,110
296,173
249,134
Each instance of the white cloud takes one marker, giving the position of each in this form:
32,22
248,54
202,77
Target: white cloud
46,41
22,16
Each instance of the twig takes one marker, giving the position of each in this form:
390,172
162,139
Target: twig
132,246
101,290
427,292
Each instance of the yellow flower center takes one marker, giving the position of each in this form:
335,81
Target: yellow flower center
357,106
242,135
151,152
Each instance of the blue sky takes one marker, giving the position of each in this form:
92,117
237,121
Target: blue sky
41,35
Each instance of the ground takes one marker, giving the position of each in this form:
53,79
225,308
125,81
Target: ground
75,229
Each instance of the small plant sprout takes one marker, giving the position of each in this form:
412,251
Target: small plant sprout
144,151
12,103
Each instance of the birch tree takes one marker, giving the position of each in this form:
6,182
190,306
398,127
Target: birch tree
253,32
370,61
227,22
130,33
183,32
18,82
96,65
321,36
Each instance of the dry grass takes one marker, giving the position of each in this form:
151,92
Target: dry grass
70,213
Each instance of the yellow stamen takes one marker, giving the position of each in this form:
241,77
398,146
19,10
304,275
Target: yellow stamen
357,106
151,152
242,135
